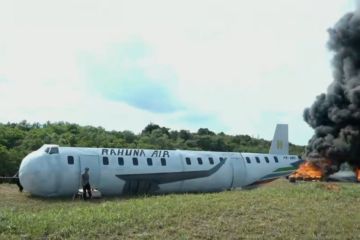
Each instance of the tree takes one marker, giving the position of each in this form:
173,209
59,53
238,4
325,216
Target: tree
205,131
149,128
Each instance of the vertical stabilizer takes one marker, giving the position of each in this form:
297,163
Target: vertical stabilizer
280,142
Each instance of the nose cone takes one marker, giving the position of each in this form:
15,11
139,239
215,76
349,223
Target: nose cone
35,176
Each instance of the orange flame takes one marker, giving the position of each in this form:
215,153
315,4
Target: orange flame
357,173
310,171
307,171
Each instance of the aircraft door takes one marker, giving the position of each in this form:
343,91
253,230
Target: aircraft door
92,162
239,172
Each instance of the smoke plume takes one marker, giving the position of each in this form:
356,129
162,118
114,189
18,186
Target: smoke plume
335,115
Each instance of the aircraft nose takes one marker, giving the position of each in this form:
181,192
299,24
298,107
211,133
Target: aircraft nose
34,177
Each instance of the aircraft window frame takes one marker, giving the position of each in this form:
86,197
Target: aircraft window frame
188,161
267,159
135,161
70,160
105,160
200,161
163,161
121,161
211,160
257,159
276,159
54,150
248,160
149,161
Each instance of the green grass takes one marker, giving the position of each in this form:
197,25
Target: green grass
279,210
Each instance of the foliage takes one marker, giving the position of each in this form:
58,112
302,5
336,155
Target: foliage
18,139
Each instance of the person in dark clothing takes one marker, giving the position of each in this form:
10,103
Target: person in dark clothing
17,181
85,180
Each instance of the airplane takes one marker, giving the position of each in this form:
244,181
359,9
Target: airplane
346,173
54,171
343,176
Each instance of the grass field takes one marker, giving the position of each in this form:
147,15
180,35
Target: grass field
279,210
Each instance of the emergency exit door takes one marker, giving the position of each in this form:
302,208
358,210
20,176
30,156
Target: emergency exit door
239,172
91,162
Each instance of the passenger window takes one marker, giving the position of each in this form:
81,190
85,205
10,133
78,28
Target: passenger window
163,162
188,161
121,161
70,160
267,159
222,159
211,161
47,150
105,160
200,161
149,161
248,160
54,150
276,159
257,159
135,161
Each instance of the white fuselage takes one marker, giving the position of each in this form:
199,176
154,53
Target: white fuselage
56,171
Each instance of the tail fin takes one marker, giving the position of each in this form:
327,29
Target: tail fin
280,142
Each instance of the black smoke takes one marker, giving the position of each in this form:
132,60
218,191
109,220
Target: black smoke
335,115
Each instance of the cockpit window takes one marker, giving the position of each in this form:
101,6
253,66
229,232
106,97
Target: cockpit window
47,150
54,150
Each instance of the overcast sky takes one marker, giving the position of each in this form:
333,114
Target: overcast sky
232,66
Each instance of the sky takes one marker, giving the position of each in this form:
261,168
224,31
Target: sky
232,66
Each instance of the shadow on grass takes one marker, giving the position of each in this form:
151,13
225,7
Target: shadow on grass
115,198
92,200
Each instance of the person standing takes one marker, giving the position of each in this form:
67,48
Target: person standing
85,180
17,181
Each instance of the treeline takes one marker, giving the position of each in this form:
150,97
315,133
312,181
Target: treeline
19,139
